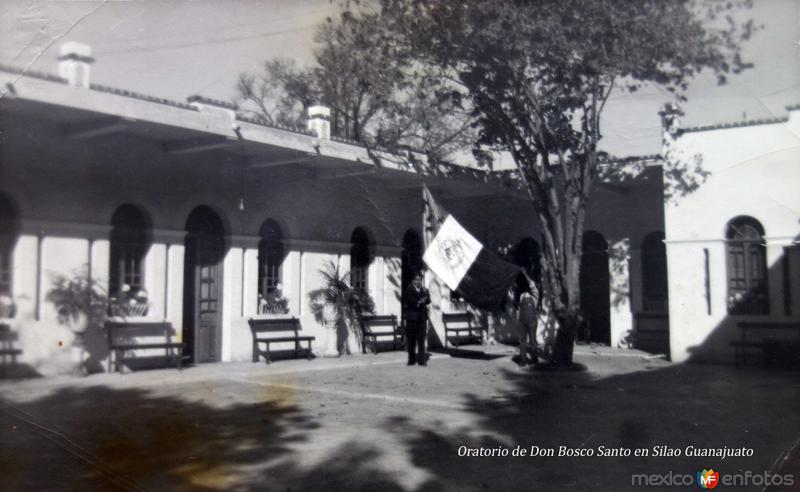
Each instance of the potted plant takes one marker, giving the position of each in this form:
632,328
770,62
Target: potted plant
80,304
344,303
274,303
129,302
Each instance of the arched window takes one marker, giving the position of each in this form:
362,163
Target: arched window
360,258
526,254
270,258
410,260
654,273
9,229
129,245
747,267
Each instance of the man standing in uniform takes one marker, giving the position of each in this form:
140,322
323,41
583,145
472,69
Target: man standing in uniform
417,299
527,302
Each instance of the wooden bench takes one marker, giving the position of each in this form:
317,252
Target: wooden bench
459,323
376,326
280,330
125,337
8,354
771,338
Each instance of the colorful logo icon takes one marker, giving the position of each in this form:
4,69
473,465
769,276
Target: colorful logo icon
708,479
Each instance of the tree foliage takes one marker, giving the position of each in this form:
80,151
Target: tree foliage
535,77
378,94
527,77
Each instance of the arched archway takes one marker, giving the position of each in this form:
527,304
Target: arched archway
654,273
526,254
131,235
9,232
595,290
746,253
411,260
202,285
361,255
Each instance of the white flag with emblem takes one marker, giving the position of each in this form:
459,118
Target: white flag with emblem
452,252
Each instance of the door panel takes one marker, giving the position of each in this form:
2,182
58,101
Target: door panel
207,302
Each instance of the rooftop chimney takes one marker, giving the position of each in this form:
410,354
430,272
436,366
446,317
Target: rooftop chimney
319,121
670,118
74,63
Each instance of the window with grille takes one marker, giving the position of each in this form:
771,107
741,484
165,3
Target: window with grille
5,266
269,271
747,267
129,246
360,258
654,273
270,259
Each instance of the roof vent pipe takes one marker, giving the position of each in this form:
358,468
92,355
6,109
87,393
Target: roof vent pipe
74,63
319,121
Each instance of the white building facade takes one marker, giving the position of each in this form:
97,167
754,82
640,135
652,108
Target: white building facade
209,212
732,244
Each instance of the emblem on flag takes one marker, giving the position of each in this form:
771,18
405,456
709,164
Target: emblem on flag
454,255
452,252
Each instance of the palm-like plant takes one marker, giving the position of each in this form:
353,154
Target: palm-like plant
76,297
344,301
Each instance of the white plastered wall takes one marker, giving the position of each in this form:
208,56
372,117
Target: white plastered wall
754,172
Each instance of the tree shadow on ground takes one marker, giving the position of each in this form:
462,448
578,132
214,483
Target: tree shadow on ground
673,406
141,441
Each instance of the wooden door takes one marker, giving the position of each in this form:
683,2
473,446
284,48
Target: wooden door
208,292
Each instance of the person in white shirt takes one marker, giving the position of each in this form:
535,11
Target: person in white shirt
526,300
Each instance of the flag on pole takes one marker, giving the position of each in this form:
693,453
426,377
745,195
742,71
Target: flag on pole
479,275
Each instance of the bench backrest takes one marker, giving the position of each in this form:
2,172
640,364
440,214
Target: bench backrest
457,320
769,325
7,337
270,325
139,330
387,322
769,329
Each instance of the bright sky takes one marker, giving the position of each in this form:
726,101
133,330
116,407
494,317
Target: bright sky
179,48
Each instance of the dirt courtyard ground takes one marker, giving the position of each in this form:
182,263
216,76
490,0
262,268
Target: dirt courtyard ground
368,422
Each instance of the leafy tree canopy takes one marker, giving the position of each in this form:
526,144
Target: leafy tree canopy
530,78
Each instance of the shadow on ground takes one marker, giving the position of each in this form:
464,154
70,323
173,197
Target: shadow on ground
675,406
147,441
140,442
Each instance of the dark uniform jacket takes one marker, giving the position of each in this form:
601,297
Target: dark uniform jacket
416,308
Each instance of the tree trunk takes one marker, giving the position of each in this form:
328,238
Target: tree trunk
565,338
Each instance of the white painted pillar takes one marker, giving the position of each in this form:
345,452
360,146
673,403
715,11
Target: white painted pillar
439,297
100,254
250,281
164,277
155,264
376,284
61,256
175,288
231,298
25,276
290,277
393,281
